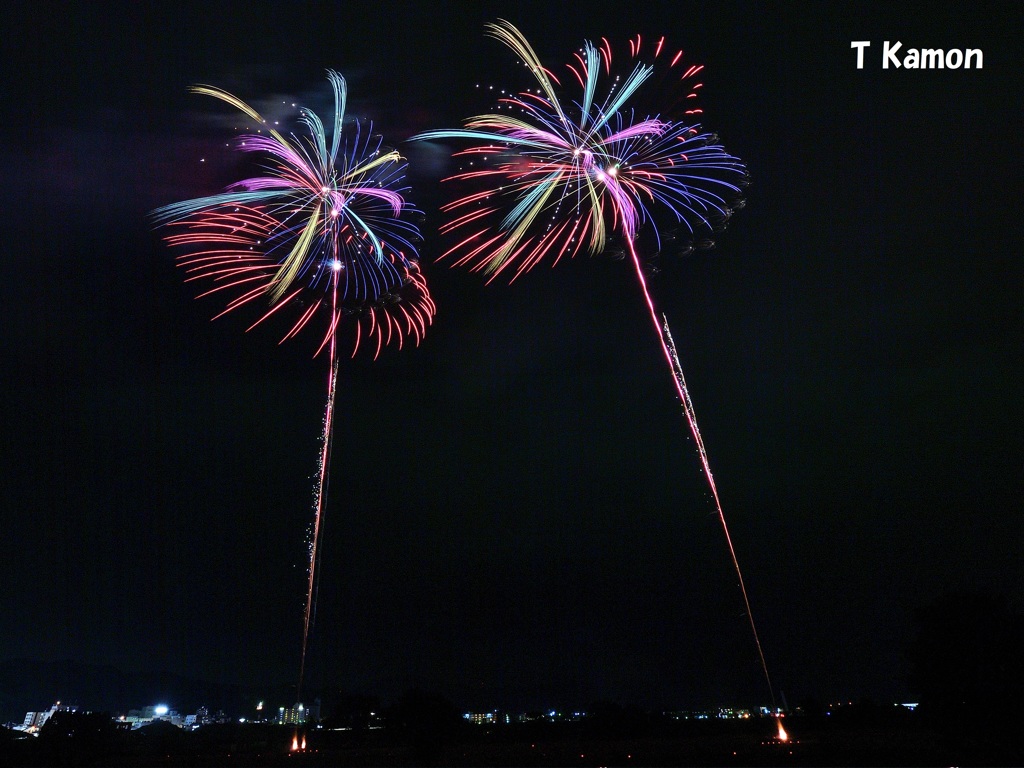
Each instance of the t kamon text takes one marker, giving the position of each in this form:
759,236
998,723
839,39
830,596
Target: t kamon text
895,56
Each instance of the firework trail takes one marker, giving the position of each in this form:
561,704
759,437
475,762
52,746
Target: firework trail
691,417
323,235
552,177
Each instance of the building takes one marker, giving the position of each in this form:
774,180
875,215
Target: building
295,715
36,720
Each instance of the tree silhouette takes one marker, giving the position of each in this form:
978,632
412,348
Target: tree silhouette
78,738
428,721
967,667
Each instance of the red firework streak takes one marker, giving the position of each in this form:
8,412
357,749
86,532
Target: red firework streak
668,348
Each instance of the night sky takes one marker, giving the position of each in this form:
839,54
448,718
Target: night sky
517,516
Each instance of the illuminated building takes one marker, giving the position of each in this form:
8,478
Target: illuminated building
481,718
295,715
35,720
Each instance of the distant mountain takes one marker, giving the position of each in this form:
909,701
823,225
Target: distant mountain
28,685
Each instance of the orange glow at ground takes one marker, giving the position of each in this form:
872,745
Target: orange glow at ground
295,743
783,736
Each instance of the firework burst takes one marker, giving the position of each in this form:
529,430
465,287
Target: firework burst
324,234
557,175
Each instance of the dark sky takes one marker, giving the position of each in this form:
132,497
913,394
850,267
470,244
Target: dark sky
517,516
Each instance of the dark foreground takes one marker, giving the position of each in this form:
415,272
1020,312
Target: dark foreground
888,741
